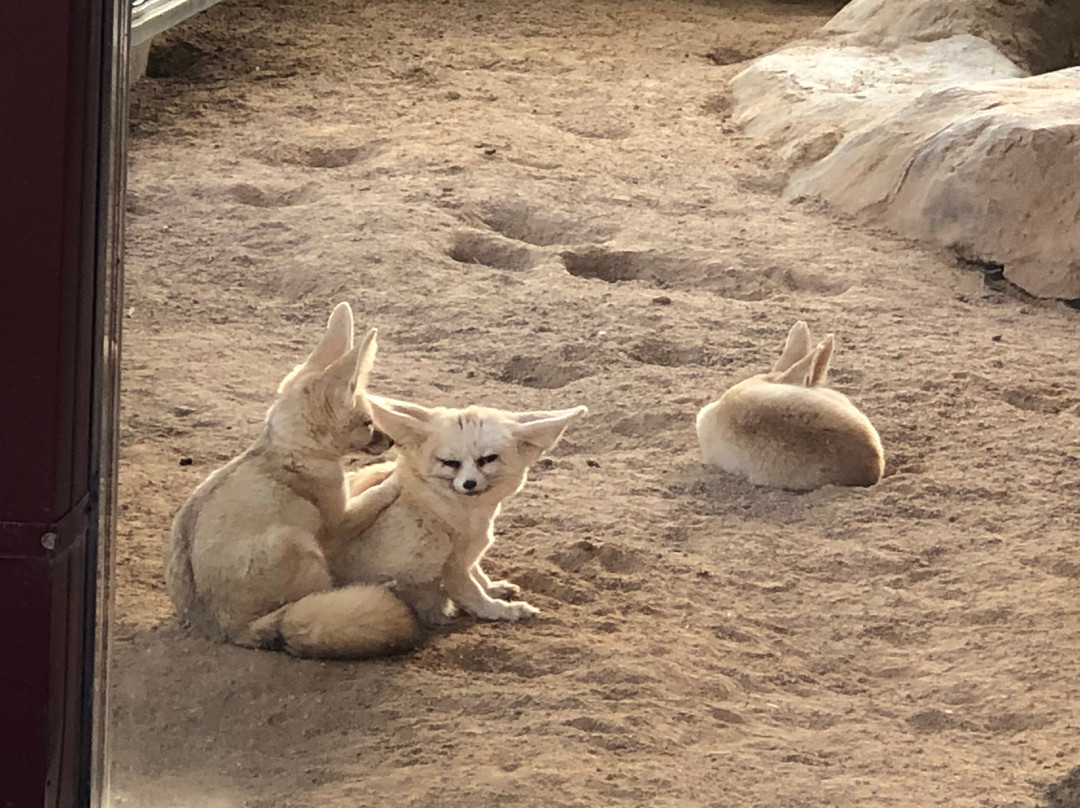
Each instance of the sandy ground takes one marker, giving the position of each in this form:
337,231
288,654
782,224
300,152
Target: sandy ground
542,205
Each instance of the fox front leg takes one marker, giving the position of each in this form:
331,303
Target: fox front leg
362,510
469,594
361,479
501,590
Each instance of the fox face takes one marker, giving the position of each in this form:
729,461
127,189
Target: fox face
473,452
321,407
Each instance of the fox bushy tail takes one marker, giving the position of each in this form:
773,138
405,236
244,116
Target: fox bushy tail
362,620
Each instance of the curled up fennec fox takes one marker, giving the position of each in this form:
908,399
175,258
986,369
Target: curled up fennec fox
453,470
246,558
787,430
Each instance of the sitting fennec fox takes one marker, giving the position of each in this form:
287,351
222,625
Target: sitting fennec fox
785,429
245,561
454,468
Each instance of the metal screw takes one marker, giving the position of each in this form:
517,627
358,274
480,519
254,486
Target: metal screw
48,541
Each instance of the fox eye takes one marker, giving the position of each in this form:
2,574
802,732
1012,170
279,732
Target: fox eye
483,461
450,464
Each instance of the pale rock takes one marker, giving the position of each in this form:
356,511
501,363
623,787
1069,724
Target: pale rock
990,169
911,20
908,112
1039,35
804,98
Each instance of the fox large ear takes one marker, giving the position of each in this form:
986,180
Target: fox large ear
811,370
365,360
536,432
822,355
405,423
796,347
337,341
345,374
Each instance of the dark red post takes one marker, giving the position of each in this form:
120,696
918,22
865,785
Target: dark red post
62,96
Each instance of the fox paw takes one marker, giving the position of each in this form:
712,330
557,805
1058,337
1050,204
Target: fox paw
503,590
367,477
519,610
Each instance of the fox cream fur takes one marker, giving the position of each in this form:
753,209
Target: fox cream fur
246,558
787,430
454,469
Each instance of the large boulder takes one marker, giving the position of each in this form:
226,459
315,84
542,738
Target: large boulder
804,98
989,169
1039,35
921,114
919,20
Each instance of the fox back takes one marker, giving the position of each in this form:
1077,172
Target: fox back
787,430
250,538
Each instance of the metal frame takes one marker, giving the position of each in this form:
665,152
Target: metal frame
63,84
152,17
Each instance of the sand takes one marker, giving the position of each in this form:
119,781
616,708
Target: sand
542,205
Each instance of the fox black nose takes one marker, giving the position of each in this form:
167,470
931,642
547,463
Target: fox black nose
379,442
469,485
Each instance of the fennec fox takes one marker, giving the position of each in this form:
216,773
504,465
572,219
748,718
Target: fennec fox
454,469
786,429
245,561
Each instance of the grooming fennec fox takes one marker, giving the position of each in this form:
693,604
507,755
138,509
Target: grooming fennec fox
785,429
245,561
454,468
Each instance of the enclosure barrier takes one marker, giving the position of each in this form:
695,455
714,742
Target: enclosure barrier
152,17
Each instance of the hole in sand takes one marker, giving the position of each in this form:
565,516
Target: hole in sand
610,557
1051,400
698,273
609,266
533,225
318,156
247,194
662,352
547,371
490,250
651,425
